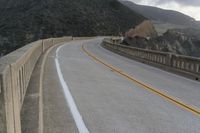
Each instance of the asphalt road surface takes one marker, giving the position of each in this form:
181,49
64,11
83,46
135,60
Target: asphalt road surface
86,96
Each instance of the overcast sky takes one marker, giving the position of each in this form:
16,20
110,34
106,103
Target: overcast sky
189,7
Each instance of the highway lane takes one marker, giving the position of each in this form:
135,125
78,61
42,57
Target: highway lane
182,88
109,103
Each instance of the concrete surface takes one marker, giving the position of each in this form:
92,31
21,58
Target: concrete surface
182,88
110,103
15,73
30,108
56,114
179,64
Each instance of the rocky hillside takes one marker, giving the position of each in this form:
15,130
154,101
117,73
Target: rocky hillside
145,29
158,14
179,41
23,21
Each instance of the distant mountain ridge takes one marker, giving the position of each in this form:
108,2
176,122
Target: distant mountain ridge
24,21
158,14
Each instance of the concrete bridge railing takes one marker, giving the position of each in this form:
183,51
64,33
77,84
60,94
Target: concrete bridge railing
15,72
183,65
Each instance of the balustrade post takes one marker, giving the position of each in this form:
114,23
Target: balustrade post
169,59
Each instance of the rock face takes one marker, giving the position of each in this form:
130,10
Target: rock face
23,21
178,41
145,29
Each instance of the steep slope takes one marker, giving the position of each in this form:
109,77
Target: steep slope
158,14
23,21
178,41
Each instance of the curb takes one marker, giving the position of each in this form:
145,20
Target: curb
44,58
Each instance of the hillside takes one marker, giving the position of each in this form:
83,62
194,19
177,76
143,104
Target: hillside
178,41
23,21
145,29
158,14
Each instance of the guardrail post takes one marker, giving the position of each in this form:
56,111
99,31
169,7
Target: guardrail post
2,109
16,102
6,102
169,59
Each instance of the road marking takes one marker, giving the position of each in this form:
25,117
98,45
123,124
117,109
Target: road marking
73,108
169,98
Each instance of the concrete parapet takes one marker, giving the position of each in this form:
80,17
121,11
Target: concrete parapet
179,64
15,72
6,101
68,38
82,38
61,39
47,43
185,63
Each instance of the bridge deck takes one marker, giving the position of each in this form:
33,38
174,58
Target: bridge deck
110,103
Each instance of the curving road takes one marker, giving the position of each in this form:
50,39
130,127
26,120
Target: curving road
86,96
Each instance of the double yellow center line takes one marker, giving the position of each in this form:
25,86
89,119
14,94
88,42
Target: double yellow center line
171,99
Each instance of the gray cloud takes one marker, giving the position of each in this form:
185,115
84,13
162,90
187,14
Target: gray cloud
195,3
189,7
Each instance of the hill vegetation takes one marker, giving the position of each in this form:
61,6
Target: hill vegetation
24,21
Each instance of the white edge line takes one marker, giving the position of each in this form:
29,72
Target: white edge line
73,108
